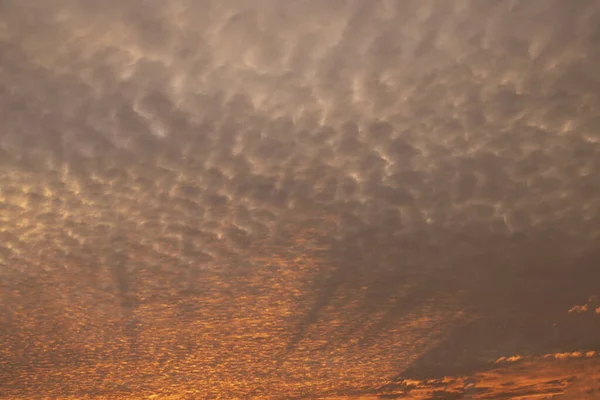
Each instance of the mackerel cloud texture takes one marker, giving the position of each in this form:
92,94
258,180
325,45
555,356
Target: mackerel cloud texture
273,198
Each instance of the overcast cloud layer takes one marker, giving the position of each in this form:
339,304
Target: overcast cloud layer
298,199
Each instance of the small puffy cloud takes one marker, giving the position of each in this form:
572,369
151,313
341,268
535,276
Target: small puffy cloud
578,309
508,359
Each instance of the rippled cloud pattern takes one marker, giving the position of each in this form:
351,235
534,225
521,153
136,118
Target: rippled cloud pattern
307,199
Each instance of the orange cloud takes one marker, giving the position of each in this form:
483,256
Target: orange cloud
578,309
535,377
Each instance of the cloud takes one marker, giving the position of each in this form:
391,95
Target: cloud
312,197
560,356
508,359
561,375
578,309
591,304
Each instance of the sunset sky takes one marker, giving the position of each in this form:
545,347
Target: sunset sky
309,199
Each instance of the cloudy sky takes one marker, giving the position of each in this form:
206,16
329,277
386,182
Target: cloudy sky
299,199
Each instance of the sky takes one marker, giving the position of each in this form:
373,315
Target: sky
338,199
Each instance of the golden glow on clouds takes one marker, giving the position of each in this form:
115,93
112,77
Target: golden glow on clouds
564,375
273,199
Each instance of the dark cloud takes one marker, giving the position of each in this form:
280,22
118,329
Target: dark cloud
277,199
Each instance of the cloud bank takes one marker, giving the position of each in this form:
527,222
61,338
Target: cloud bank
292,199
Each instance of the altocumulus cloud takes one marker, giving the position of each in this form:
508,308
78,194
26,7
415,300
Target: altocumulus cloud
284,198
